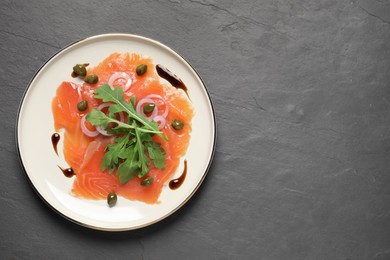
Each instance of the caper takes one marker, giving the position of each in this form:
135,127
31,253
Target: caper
80,70
147,181
177,125
149,107
141,69
111,199
91,79
82,105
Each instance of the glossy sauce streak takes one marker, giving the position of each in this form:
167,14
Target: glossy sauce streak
68,172
170,77
176,183
54,140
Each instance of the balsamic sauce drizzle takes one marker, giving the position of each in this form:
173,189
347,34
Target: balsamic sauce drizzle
176,183
170,77
55,138
68,172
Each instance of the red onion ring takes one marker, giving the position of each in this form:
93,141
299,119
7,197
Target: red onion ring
102,131
161,98
103,105
122,117
120,75
139,108
161,121
85,130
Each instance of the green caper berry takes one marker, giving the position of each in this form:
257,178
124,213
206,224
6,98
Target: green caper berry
80,70
177,125
147,181
141,69
82,105
91,79
149,107
111,199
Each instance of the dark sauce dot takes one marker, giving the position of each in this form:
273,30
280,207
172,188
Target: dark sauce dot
68,172
176,183
55,138
170,77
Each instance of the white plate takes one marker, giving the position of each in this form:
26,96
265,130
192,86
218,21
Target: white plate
35,127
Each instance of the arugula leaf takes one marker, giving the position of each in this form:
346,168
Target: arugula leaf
116,95
98,118
112,156
143,160
133,149
129,166
157,154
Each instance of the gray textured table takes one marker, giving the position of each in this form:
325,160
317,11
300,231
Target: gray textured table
301,91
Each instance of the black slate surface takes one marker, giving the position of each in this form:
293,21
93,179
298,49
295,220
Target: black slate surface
301,91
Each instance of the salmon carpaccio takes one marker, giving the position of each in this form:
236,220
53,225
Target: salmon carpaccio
84,154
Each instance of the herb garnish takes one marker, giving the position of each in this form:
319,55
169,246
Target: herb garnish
133,147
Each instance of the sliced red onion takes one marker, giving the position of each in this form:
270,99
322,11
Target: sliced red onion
102,131
155,96
98,128
85,130
161,121
140,108
122,117
103,105
120,75
161,98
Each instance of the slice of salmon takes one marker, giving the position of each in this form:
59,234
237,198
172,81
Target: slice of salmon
68,117
84,154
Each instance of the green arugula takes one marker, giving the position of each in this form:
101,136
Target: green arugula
133,148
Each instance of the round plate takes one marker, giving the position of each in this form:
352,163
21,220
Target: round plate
41,162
